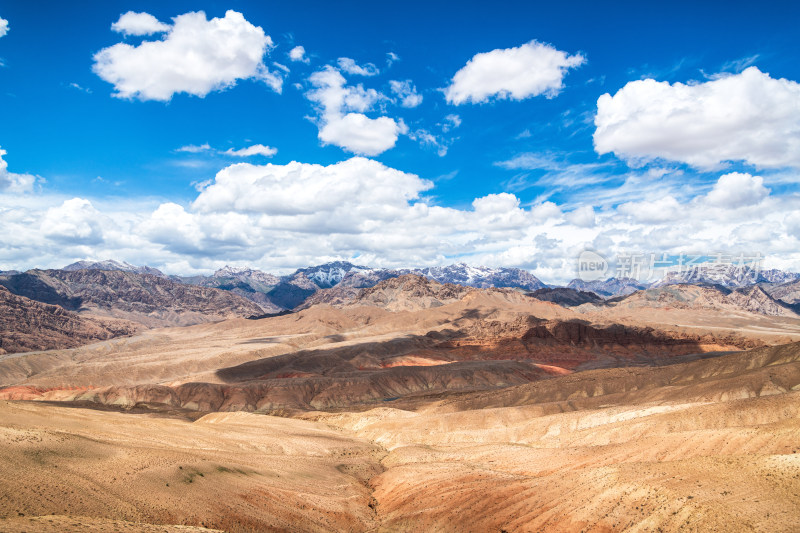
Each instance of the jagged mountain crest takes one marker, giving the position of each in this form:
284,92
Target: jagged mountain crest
274,293
143,298
328,275
609,288
482,277
247,275
726,275
752,299
113,264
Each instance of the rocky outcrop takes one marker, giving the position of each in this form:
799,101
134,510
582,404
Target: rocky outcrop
482,277
27,325
402,293
710,297
112,264
143,298
609,288
788,293
756,300
567,297
245,282
731,276
410,292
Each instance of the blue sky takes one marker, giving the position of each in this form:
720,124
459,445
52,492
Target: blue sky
421,134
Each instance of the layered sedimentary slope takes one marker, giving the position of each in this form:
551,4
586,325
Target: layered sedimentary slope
78,469
702,446
406,337
707,445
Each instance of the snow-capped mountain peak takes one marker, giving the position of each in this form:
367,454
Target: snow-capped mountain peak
482,277
331,274
251,276
113,264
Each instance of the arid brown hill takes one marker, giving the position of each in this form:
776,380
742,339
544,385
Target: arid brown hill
788,293
709,297
26,325
403,293
144,298
566,297
709,445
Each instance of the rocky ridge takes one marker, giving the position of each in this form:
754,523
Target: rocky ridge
609,288
144,298
27,325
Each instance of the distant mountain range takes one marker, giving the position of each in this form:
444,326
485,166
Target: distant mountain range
111,264
609,288
730,276
132,296
277,293
104,299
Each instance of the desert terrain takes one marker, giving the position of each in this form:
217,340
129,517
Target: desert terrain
417,406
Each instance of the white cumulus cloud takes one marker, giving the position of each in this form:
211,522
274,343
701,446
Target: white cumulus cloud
132,23
195,56
298,53
748,117
256,149
792,224
342,121
360,134
517,73
280,217
74,221
351,67
407,92
583,217
736,190
3,27
313,190
661,210
11,182
194,148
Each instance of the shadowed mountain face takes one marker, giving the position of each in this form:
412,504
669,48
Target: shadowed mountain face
150,300
27,325
33,285
567,297
788,293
